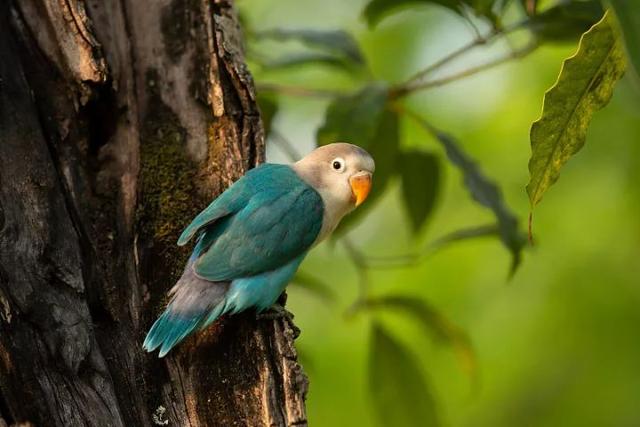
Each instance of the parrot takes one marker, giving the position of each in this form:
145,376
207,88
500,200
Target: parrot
251,239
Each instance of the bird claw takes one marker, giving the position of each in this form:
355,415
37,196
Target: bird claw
276,311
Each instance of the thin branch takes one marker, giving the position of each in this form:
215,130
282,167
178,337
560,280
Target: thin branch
360,263
408,260
480,40
286,145
298,91
516,54
354,253
401,109
446,59
531,7
468,18
416,82
364,263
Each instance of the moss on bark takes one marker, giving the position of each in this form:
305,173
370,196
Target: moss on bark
169,197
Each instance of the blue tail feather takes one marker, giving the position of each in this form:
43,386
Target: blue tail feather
195,303
170,329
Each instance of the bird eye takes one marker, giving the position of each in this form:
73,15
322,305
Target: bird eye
338,164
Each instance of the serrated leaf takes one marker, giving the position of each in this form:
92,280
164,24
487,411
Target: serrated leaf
337,41
565,21
362,119
420,173
488,194
628,14
376,10
584,86
401,396
434,323
268,109
314,285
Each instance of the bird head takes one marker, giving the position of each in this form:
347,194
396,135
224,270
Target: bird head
342,174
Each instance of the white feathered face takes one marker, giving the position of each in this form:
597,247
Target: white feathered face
342,174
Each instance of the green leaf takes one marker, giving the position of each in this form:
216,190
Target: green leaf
466,234
339,42
566,21
627,13
383,147
362,119
434,324
314,285
376,10
354,118
308,58
420,174
486,8
268,109
488,194
401,396
584,86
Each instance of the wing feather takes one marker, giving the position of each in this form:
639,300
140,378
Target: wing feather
229,202
277,218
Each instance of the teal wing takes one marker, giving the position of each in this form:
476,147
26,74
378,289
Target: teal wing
273,218
268,232
229,202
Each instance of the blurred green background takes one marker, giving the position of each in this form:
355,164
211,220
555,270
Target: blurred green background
556,345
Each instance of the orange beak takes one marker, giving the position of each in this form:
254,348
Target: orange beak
360,186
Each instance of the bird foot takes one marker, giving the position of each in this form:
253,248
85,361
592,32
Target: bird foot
276,311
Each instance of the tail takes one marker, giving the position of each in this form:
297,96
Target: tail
195,303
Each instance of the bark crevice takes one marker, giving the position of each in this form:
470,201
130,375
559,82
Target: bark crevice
120,121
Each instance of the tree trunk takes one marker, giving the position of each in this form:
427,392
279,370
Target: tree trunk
119,121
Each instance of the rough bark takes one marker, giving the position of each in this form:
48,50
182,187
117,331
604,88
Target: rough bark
119,120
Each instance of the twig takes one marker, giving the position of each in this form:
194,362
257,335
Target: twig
531,7
480,40
360,263
356,256
446,59
516,54
298,91
468,18
396,261
286,146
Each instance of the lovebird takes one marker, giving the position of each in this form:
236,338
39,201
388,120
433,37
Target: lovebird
252,238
